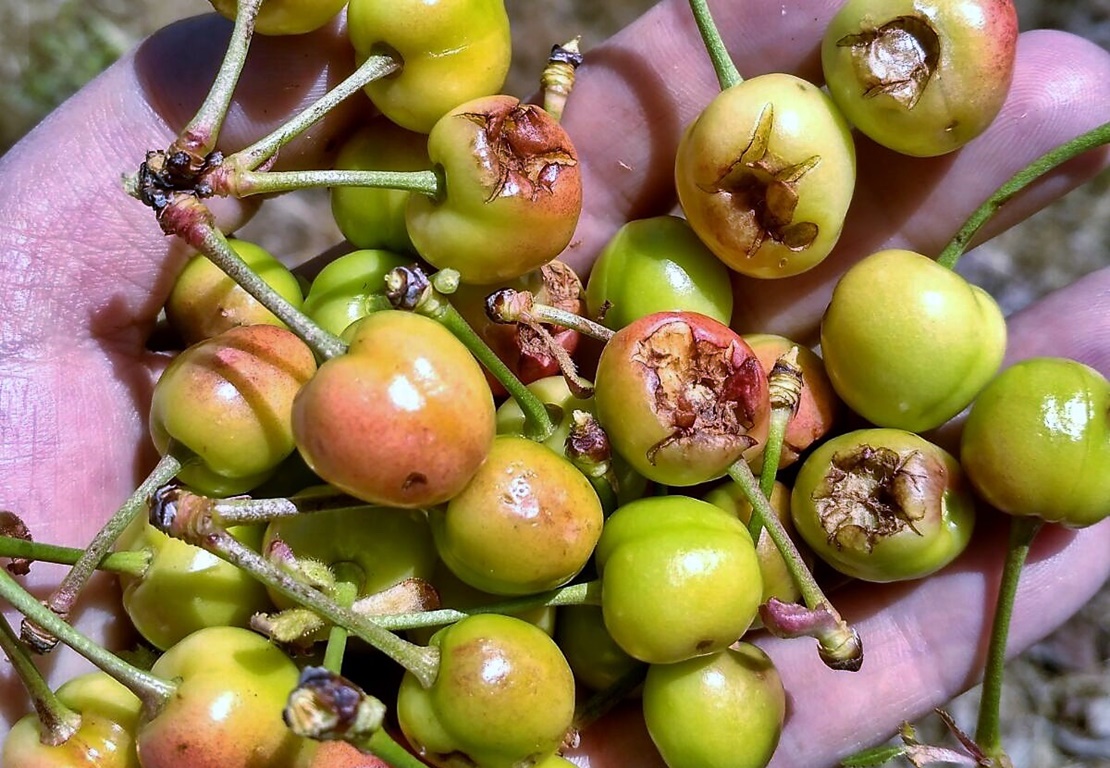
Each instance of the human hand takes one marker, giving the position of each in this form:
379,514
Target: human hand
86,270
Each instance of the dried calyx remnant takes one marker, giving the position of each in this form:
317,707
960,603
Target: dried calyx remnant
522,153
762,188
870,493
897,59
700,391
162,175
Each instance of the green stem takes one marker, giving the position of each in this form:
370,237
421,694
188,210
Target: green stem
988,732
1095,137
247,511
266,148
840,645
63,597
784,386
198,138
384,746
586,593
207,239
131,563
246,183
345,592
196,526
153,691
57,722
727,74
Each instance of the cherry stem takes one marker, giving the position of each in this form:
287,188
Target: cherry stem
1093,138
785,386
840,645
265,149
195,525
349,577
243,183
557,79
188,218
585,593
246,511
64,596
153,691
727,73
326,706
198,138
988,732
508,305
131,563
57,722
409,288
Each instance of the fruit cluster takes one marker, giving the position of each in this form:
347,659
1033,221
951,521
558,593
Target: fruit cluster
448,451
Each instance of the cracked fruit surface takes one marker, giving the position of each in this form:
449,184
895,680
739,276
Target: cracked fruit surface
922,79
403,419
765,175
679,578
883,505
681,396
1037,442
907,342
504,696
513,191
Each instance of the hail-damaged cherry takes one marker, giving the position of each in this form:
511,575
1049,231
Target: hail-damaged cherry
765,175
883,505
513,191
682,397
921,78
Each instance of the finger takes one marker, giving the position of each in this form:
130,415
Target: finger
79,253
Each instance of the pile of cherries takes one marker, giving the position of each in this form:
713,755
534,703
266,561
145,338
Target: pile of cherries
536,495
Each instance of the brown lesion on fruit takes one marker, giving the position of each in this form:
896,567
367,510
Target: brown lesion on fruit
897,59
524,150
762,189
700,391
871,493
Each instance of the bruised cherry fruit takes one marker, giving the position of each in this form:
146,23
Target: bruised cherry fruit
513,191
205,302
681,397
1037,442
403,419
229,401
504,696
526,522
105,737
883,505
765,174
922,79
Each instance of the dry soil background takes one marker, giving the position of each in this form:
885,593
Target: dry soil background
1057,704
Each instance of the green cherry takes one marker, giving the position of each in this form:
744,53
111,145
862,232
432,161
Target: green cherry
1037,442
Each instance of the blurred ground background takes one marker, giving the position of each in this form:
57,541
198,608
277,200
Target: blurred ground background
1057,705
